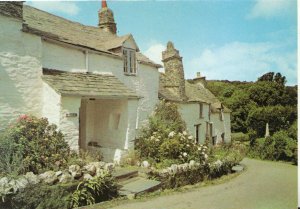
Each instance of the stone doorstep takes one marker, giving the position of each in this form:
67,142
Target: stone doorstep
138,185
124,174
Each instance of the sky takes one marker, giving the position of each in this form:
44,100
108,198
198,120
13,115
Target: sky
221,39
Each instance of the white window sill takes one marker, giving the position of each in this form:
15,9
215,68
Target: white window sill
130,74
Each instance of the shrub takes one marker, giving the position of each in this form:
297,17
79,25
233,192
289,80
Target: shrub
41,196
165,137
83,157
94,190
36,142
277,147
224,157
240,136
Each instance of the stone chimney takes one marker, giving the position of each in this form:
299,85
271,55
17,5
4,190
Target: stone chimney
12,9
174,71
200,80
106,19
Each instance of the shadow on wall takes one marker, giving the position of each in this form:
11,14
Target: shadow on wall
20,85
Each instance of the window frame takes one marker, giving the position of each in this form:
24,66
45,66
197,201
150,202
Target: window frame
129,61
221,116
201,110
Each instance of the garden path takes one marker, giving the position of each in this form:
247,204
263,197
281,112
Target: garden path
264,185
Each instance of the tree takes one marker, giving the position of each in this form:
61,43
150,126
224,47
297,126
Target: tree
265,93
241,104
278,117
267,77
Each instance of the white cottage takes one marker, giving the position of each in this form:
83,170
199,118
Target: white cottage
205,116
93,84
96,86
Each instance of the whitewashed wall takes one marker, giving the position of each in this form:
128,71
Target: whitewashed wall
70,125
62,58
51,104
20,71
221,126
190,114
145,83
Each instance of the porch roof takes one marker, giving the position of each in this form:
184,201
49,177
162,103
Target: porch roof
86,84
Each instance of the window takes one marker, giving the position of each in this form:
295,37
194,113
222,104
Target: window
201,110
129,61
221,115
197,133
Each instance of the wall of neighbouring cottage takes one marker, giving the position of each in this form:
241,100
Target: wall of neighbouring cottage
70,125
20,71
221,126
51,104
190,113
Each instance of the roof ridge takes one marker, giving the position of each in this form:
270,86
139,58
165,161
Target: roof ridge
70,21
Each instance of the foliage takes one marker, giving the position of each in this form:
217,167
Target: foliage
277,147
221,160
293,131
36,142
11,161
224,157
244,98
278,117
83,157
94,190
269,77
240,136
241,104
166,138
41,196
132,158
266,93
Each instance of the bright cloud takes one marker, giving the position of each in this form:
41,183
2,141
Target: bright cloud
244,62
67,7
154,52
271,8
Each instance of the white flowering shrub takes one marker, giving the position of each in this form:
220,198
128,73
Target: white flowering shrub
166,138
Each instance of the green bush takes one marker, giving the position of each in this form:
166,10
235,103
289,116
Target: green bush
240,136
94,190
165,138
41,196
34,144
224,157
277,147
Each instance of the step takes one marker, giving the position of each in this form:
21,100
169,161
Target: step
139,185
123,174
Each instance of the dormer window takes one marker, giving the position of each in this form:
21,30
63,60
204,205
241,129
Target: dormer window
129,58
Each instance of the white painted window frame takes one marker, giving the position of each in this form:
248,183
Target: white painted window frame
129,61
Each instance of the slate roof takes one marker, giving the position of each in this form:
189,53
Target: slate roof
50,26
86,84
194,93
